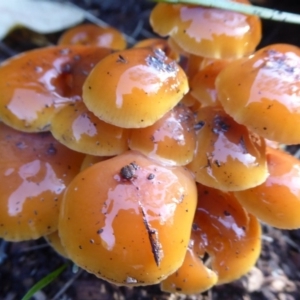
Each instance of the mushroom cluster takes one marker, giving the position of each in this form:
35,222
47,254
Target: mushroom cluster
152,164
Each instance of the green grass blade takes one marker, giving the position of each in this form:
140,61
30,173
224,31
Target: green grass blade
44,282
263,12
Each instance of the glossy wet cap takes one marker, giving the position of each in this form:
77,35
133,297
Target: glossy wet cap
202,85
34,171
276,201
127,219
93,35
163,18
40,82
193,277
171,140
226,232
79,129
134,88
208,32
262,92
227,157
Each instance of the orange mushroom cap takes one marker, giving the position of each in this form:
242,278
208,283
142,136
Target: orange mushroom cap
262,92
34,172
79,129
208,32
127,219
226,232
202,85
93,35
171,140
194,64
193,277
277,200
40,82
176,48
90,160
163,18
54,241
76,71
191,102
134,88
227,157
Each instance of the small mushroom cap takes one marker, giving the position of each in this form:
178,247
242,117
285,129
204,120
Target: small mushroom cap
193,277
80,130
277,200
262,92
127,219
93,35
208,32
203,83
171,140
175,47
90,160
227,157
38,83
76,71
224,230
191,102
242,256
137,80
54,241
163,18
34,172
194,65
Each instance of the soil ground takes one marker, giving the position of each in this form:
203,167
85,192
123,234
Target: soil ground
277,272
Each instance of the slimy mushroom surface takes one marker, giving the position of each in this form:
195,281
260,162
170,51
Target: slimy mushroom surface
127,219
206,31
277,200
171,140
227,157
263,91
79,129
202,83
93,35
34,172
193,277
38,83
226,232
134,88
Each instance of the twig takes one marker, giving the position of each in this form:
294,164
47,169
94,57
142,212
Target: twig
138,28
267,238
67,285
34,248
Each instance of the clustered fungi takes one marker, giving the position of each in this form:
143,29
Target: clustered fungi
142,167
